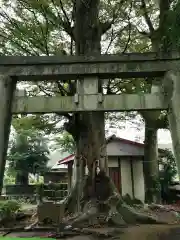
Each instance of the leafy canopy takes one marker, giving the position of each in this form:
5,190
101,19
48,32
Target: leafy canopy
28,152
168,168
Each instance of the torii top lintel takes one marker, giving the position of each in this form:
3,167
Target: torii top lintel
132,65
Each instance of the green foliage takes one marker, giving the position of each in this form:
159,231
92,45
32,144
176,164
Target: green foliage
33,27
8,209
28,152
8,178
42,28
171,30
44,123
168,169
65,142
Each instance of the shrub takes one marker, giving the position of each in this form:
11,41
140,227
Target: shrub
8,209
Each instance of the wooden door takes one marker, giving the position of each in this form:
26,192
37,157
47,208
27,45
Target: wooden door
115,175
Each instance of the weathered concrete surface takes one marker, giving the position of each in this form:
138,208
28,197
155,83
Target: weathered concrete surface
53,212
104,66
172,95
134,56
6,97
150,165
93,102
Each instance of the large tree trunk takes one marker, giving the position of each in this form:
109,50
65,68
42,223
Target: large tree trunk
91,145
150,165
90,135
7,88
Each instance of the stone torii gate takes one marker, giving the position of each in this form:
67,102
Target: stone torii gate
88,71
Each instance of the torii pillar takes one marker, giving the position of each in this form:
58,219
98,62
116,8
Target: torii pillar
171,89
7,88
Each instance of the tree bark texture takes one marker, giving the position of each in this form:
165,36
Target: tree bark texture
7,88
94,190
90,138
88,131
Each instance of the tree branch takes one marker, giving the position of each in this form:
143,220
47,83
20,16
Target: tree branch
129,30
108,87
44,91
111,40
105,27
64,12
13,23
65,24
146,16
61,89
45,35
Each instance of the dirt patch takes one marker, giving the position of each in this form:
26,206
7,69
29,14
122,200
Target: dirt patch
152,232
143,232
174,234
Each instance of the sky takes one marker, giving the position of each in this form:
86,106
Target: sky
133,128
130,132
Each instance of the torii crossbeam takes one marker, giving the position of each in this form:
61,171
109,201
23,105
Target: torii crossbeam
133,65
87,71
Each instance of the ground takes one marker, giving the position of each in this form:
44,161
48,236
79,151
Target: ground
168,231
143,232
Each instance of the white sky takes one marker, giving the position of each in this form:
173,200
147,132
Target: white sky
131,133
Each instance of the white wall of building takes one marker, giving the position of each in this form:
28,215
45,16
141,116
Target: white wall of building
139,190
120,148
126,176
112,161
126,180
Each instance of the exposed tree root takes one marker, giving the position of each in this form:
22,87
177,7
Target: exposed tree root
97,233
70,200
106,200
31,226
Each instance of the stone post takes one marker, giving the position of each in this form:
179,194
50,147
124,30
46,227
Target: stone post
171,89
7,87
150,163
86,88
